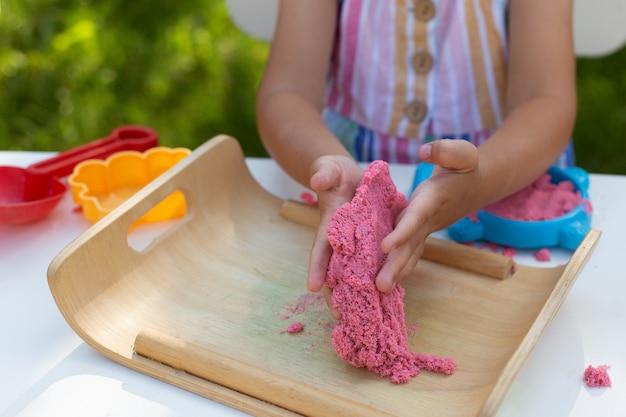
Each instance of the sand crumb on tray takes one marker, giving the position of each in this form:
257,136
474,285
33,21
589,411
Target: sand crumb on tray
295,327
308,315
372,332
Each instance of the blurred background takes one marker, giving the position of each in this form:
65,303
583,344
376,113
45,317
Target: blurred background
72,70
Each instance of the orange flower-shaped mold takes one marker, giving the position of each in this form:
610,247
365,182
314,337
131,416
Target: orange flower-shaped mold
100,186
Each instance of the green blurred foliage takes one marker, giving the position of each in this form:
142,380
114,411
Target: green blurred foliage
72,70
600,132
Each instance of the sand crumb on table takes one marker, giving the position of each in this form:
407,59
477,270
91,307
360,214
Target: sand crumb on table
597,376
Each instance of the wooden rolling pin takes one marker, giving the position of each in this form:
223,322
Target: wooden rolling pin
437,250
243,377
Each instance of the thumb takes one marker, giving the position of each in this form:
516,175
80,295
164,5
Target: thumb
452,154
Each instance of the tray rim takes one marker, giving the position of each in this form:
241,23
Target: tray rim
549,310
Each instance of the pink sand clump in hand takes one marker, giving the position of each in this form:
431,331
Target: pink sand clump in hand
371,332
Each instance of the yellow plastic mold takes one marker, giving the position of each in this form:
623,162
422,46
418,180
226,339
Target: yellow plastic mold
100,186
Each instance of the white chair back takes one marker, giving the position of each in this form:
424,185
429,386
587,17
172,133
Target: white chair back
599,25
256,18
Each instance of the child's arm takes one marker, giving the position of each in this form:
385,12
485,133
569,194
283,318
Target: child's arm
291,95
541,109
289,112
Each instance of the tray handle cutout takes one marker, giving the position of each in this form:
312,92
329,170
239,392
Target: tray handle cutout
154,212
109,236
157,222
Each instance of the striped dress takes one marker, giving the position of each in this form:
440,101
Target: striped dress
406,72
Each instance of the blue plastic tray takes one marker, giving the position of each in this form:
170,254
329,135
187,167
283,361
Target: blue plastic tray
566,231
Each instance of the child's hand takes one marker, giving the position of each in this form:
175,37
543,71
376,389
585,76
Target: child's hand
334,179
436,203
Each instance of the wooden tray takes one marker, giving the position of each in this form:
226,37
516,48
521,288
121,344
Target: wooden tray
203,306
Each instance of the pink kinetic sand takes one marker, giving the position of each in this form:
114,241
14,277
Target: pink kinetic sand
597,376
308,198
508,251
542,200
296,327
542,255
371,332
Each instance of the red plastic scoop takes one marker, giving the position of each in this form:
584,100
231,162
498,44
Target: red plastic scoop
28,194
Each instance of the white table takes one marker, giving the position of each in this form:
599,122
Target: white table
47,370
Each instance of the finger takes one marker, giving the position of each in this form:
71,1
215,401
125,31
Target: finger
322,179
453,154
398,265
335,173
410,265
406,227
326,173
389,274
318,262
385,280
328,295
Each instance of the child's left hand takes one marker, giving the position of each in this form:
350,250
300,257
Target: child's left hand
436,203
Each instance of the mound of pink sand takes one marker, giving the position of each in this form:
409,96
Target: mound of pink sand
371,332
597,376
542,200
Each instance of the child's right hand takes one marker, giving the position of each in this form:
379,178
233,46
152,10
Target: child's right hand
334,178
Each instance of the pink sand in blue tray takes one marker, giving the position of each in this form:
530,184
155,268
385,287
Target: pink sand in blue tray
542,200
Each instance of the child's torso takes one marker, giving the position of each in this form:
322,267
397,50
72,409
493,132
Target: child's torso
406,68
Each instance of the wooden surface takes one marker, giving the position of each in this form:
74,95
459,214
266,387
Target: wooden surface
212,297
